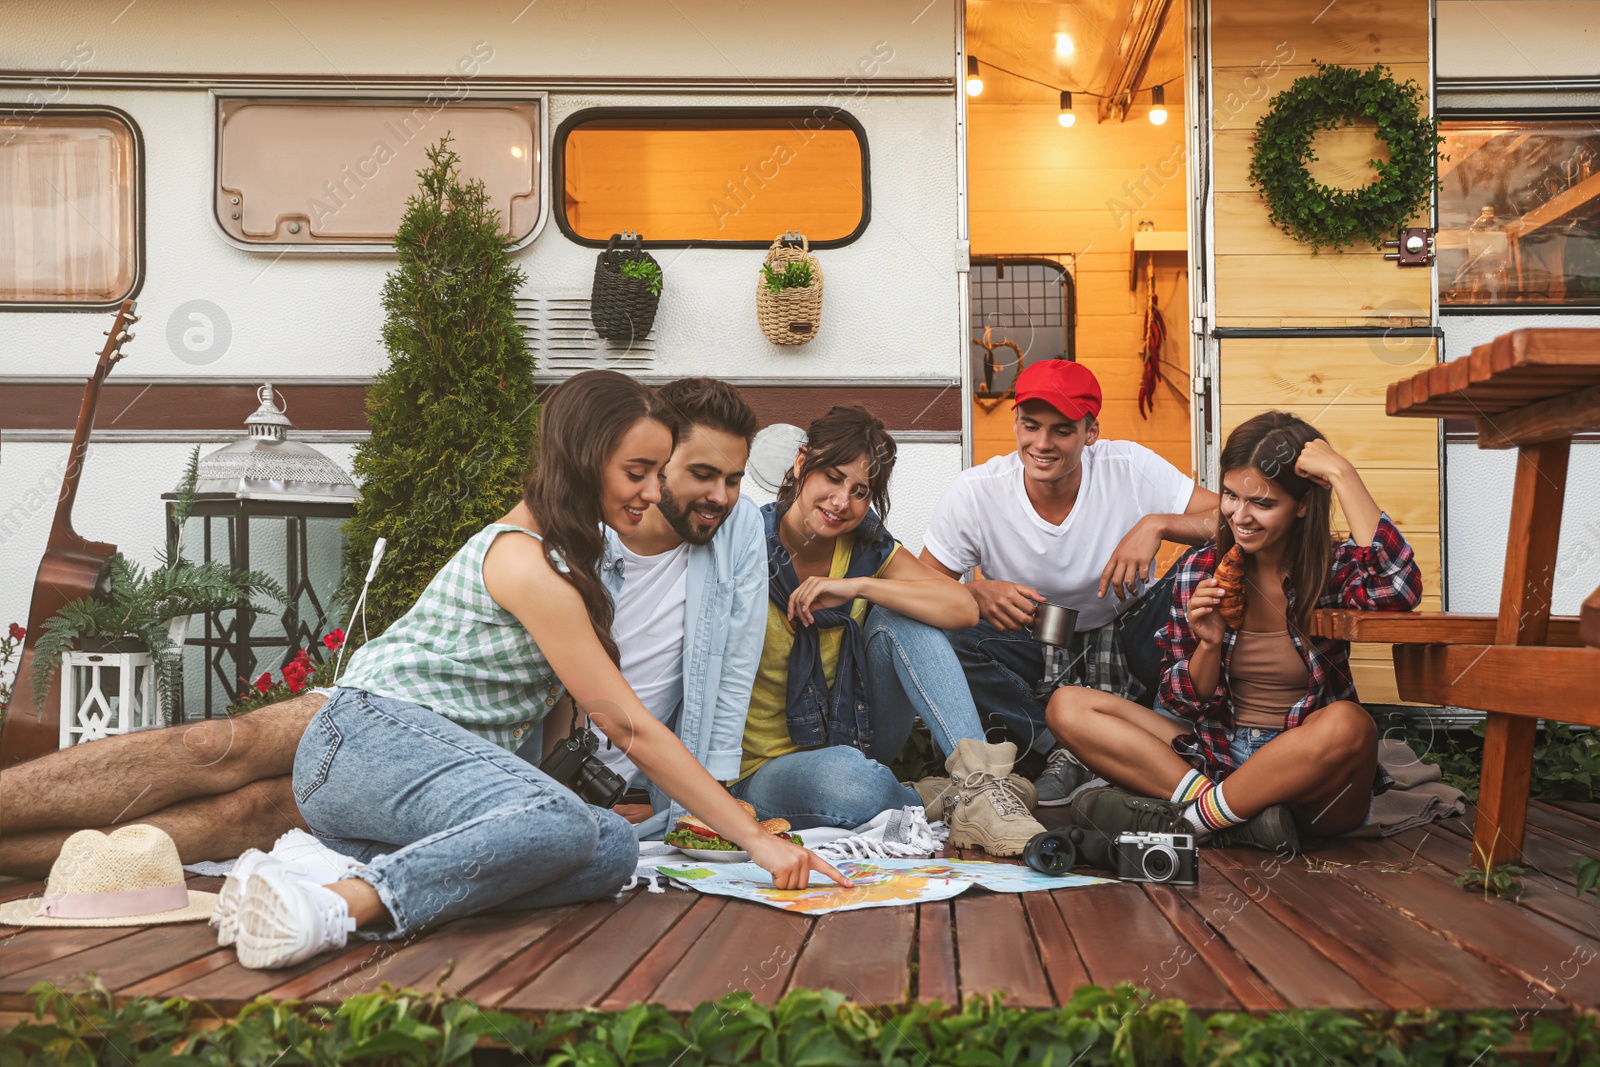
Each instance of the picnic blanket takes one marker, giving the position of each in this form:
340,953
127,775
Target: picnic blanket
1418,796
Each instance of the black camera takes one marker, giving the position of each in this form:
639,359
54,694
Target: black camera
1145,857
574,764
1158,858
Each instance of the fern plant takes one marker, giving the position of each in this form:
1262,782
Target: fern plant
142,603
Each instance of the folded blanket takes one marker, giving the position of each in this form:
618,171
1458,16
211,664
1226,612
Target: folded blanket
1418,796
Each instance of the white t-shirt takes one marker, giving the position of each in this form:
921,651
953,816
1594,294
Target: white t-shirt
649,629
984,519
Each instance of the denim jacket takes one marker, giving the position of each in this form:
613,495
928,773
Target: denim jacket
725,624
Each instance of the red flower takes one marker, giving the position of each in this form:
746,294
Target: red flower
18,633
334,640
294,675
264,682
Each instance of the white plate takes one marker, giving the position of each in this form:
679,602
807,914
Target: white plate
715,855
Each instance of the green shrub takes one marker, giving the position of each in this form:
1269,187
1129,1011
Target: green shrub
453,415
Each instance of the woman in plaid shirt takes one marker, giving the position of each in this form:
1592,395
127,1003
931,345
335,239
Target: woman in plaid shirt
1267,710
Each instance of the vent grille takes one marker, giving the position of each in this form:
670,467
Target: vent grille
562,340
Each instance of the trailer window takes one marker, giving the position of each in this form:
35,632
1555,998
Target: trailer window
338,172
69,207
712,177
1519,213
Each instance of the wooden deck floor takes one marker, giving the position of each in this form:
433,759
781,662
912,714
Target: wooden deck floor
1362,925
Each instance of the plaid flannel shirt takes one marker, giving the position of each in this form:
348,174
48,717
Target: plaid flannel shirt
1382,576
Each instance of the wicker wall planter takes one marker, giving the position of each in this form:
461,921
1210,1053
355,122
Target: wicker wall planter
789,316
623,308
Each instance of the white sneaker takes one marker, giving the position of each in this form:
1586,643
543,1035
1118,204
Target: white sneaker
304,856
284,921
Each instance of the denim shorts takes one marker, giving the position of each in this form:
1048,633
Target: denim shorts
1246,741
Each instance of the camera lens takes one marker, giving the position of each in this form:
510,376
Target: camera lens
1160,863
1051,852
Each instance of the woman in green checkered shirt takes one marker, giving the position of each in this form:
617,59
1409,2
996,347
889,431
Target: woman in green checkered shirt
409,766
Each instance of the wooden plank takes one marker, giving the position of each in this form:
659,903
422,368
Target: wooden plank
648,973
1523,683
1585,810
748,946
528,964
1360,432
123,961
996,950
581,979
1295,972
1398,961
1513,938
1589,620
1353,288
1123,937
1058,955
936,954
158,985
1342,161
1428,627
1352,33
1254,991
866,955
35,947
330,973
470,948
1305,370
1577,827
1547,420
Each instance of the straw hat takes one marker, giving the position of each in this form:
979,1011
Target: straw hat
129,877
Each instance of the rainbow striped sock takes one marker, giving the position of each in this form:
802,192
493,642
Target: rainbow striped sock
1209,811
1194,783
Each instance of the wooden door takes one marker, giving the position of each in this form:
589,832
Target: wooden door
1284,314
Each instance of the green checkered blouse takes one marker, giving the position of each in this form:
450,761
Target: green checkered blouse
461,654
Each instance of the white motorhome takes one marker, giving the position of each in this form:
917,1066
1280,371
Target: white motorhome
979,179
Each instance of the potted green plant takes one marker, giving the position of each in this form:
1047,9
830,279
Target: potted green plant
145,612
789,292
627,290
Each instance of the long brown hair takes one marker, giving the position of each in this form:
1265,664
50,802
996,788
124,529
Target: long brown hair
845,434
582,424
1271,443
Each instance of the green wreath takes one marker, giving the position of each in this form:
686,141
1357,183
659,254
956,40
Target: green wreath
1321,215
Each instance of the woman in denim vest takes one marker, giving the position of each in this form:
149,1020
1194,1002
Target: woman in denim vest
409,767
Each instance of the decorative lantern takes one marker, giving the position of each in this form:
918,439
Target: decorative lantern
109,690
270,504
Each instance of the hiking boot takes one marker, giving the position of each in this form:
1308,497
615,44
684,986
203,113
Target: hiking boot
1113,811
985,809
1063,775
1271,829
935,792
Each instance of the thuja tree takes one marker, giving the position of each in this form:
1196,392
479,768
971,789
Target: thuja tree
454,414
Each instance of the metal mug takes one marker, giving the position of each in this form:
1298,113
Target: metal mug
1054,624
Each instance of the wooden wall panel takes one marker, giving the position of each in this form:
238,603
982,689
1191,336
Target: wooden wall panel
1352,32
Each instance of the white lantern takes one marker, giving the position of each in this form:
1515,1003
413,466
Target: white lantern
105,693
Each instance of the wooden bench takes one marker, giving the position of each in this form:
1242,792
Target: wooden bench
1531,390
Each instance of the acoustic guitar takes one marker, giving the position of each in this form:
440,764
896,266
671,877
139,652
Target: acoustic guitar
72,567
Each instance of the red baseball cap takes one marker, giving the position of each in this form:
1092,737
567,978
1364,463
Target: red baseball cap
1070,388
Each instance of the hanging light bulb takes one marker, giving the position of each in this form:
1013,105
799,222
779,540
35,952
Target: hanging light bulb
1066,118
1064,45
974,83
1158,105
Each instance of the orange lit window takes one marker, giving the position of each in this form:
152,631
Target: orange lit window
712,177
310,172
69,206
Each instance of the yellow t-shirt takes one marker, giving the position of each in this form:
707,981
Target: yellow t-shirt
766,731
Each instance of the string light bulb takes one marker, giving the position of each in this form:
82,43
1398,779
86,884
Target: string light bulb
1066,118
974,82
1158,108
1064,45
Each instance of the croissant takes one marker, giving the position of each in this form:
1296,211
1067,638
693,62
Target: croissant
1230,575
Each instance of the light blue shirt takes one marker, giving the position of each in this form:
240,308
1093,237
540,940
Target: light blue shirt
724,625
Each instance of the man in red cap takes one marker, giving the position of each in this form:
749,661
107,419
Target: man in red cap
1067,518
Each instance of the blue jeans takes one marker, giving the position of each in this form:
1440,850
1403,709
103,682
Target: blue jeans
1003,669
447,823
834,786
912,672
1246,741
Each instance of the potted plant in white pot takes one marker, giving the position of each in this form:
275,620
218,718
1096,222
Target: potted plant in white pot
123,650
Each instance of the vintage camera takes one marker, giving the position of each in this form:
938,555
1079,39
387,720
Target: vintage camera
1148,857
574,764
1135,857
